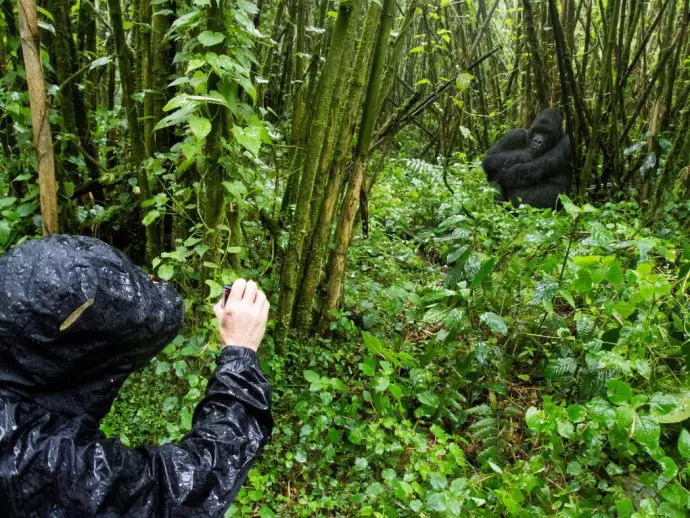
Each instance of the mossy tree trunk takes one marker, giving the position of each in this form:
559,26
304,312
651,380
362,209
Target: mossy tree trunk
293,262
87,39
298,111
348,214
346,126
127,79
74,115
541,91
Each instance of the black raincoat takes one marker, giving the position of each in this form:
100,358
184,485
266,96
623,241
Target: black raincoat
76,318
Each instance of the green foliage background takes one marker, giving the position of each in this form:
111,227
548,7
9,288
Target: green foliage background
472,370
486,360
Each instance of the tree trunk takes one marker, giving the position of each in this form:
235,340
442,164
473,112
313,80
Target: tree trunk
350,203
537,63
43,142
74,114
292,265
127,79
346,125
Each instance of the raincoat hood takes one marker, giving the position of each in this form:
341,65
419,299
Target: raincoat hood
76,318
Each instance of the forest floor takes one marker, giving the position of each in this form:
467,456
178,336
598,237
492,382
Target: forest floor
451,334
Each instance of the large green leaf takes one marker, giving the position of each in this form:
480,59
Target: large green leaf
647,431
495,323
209,39
618,391
200,126
684,443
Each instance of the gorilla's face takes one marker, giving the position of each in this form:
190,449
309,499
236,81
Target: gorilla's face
545,132
537,143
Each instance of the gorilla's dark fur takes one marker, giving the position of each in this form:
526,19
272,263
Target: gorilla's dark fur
532,165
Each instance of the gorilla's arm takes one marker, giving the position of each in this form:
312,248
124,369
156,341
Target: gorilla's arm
553,162
511,149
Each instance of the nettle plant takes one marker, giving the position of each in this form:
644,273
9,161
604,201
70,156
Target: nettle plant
223,133
590,303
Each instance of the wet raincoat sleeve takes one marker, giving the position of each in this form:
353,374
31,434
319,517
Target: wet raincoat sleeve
196,477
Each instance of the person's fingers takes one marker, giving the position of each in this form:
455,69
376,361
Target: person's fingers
218,309
237,291
250,292
260,298
265,309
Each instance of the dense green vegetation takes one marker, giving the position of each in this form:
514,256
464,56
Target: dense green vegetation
432,352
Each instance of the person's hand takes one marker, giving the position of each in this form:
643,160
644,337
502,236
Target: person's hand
242,320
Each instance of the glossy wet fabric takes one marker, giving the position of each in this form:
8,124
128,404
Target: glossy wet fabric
76,318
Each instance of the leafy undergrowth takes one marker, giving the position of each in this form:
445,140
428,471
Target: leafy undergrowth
488,361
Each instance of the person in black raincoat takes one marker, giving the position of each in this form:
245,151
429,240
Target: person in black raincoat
76,318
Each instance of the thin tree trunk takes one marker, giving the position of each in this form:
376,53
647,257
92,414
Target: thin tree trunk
127,79
598,112
537,63
74,114
43,142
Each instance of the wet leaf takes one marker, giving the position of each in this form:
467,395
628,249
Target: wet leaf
70,320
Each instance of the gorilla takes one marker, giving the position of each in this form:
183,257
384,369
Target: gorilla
532,166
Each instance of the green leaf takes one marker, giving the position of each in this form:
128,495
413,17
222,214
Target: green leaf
669,467
381,384
300,456
624,507
216,289
615,274
162,367
151,216
100,62
495,323
576,413
462,82
200,126
647,431
166,272
618,391
436,502
237,189
455,254
249,138
684,443
373,344
374,489
5,231
572,210
662,404
311,376
438,480
69,189
495,467
177,117
681,412
209,39
429,399
483,273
